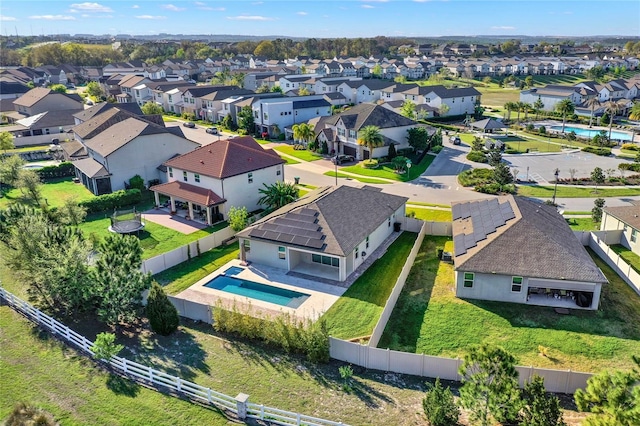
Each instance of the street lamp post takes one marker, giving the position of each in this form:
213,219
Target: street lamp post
409,169
555,187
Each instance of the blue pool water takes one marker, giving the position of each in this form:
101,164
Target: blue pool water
266,293
591,133
234,270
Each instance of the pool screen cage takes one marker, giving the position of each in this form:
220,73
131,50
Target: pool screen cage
126,221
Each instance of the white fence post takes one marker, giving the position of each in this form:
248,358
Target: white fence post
241,405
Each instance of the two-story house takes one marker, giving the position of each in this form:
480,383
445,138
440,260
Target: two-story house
274,115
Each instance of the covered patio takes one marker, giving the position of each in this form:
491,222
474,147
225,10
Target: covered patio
200,204
93,176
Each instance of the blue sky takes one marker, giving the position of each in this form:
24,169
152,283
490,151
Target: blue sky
326,18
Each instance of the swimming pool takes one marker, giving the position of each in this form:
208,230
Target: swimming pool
253,290
591,133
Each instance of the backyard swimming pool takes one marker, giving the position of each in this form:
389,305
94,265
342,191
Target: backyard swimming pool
591,133
253,290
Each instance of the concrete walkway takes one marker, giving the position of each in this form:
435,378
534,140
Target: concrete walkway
175,222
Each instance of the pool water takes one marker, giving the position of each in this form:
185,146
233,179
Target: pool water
253,290
591,133
234,270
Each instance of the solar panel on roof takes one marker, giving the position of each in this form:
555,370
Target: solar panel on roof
285,238
465,210
307,212
300,240
458,245
316,244
456,211
271,235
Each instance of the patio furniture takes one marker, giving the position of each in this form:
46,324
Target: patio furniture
563,294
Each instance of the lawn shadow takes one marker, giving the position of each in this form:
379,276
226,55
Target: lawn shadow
370,396
122,386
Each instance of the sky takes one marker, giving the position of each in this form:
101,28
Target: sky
323,18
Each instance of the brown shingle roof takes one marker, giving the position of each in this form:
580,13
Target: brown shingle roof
627,214
226,158
187,192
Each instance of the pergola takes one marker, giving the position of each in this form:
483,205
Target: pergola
191,194
488,125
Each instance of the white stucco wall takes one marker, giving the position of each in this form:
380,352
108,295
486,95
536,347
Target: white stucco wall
610,223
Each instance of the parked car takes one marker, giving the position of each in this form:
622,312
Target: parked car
342,158
212,130
189,124
455,140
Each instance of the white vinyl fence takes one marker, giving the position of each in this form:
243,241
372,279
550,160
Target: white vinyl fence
142,373
599,244
397,288
174,257
443,229
563,381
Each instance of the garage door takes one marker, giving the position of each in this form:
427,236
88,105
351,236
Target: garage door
349,150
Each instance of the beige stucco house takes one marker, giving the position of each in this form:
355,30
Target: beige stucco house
626,220
328,233
223,174
512,249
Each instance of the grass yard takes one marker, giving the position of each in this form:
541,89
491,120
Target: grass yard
356,313
522,145
303,154
27,148
40,370
630,257
497,97
184,275
430,215
430,319
419,203
571,191
388,172
155,239
358,178
55,191
583,224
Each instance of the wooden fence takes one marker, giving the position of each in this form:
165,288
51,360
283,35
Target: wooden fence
147,375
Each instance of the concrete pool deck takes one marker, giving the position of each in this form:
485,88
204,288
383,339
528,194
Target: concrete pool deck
321,296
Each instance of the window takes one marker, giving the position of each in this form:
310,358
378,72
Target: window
282,252
196,177
367,244
325,260
170,171
184,176
357,251
516,284
468,279
247,245
389,222
352,134
278,172
250,177
634,235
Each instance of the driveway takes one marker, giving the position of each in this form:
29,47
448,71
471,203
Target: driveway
198,134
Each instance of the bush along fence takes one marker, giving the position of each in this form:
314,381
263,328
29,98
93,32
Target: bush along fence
112,201
65,169
239,405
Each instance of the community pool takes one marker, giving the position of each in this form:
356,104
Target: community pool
253,290
591,133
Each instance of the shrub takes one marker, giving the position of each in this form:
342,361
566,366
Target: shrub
238,218
405,152
112,201
136,182
298,147
163,316
65,169
439,406
436,149
542,130
597,150
631,147
392,152
370,163
473,177
477,156
530,127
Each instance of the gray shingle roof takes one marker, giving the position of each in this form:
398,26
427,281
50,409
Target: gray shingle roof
627,214
536,243
345,215
367,114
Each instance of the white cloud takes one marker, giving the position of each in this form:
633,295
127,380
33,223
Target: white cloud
7,18
257,3
172,7
91,8
150,17
86,15
53,17
135,6
250,18
367,6
503,27
199,3
302,13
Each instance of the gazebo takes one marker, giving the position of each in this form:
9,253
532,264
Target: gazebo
488,125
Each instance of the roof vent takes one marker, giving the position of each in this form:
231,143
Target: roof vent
210,152
201,161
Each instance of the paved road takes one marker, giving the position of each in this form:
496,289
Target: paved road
198,134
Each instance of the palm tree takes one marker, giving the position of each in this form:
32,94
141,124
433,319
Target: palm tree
525,107
277,195
303,132
370,137
612,108
537,107
634,113
565,107
592,103
508,106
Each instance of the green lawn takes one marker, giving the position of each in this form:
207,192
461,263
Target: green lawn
432,215
303,154
430,319
569,191
184,275
55,192
155,239
386,171
289,160
358,178
522,145
497,97
28,148
630,257
583,224
38,369
356,313
419,203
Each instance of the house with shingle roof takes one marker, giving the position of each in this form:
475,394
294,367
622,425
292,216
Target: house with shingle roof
512,249
223,174
624,220
120,145
41,99
328,233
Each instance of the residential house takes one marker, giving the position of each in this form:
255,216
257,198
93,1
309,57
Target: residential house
274,115
459,101
361,91
212,102
512,249
328,233
120,145
551,95
41,99
626,221
223,174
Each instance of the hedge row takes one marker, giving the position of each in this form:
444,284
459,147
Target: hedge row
597,150
634,167
112,201
61,170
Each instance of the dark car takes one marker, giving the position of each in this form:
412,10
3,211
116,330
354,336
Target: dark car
455,140
189,124
212,130
342,158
